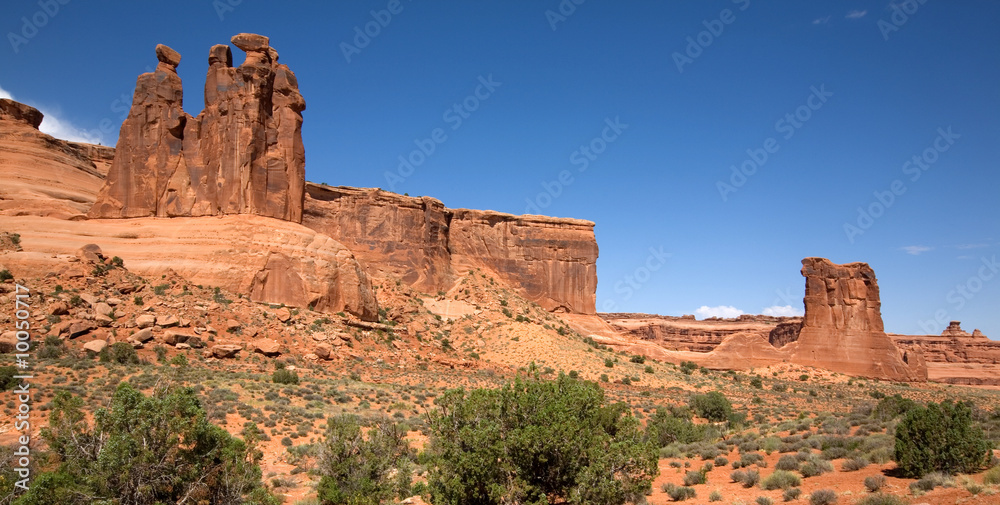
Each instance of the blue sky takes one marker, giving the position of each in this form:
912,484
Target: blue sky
608,111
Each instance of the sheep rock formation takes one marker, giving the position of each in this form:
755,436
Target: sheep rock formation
242,155
842,328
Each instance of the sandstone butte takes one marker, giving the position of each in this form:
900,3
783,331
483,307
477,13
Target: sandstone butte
170,165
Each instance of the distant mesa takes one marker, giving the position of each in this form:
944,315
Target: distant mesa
242,155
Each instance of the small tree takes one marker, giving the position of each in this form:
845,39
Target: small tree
940,438
359,471
713,406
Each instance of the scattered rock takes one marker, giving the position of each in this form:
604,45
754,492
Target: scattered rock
89,298
95,346
182,347
8,341
174,337
324,351
59,308
283,314
167,321
78,328
145,321
103,321
90,253
142,336
114,302
267,347
225,351
233,325
103,309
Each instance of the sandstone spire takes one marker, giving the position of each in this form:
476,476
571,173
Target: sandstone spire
242,155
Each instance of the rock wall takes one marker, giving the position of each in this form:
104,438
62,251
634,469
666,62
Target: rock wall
953,345
44,176
242,155
548,260
842,329
688,334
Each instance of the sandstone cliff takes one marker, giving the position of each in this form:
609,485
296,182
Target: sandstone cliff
44,176
842,329
688,334
548,260
242,155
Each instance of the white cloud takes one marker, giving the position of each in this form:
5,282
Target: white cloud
783,311
856,14
721,311
53,125
821,21
916,249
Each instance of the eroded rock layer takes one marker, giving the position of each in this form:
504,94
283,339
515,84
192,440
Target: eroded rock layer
842,329
548,260
686,333
242,155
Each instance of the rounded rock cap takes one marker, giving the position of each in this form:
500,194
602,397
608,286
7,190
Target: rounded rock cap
251,42
168,55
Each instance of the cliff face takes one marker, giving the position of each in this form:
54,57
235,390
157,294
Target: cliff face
842,329
550,261
953,345
242,155
687,333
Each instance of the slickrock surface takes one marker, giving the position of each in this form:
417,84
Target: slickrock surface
242,155
842,329
41,175
270,260
550,261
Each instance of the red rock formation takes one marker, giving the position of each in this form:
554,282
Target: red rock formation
550,261
688,334
242,155
785,333
41,175
842,328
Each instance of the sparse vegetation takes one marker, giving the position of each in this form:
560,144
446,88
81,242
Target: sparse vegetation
940,438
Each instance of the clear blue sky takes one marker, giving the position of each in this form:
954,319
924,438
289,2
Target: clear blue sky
870,83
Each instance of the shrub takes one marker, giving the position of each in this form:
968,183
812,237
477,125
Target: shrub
815,466
120,352
992,476
688,366
666,427
721,461
788,462
5,275
737,475
940,438
694,477
763,500
155,449
558,437
932,480
609,363
881,499
285,376
854,464
715,496
781,479
823,497
790,494
757,383
891,407
713,406
679,493
7,380
874,483
363,470
750,478
638,359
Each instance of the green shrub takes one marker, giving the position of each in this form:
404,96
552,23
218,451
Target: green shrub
688,366
891,407
992,476
721,461
882,499
763,500
121,353
609,363
788,462
853,464
790,494
694,477
781,479
874,483
679,493
750,478
559,438
284,376
360,470
7,380
940,438
146,450
932,480
823,497
666,427
5,275
637,359
713,406
757,383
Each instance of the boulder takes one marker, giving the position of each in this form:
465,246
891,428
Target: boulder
19,112
103,309
78,328
90,253
95,346
142,336
59,308
8,341
145,321
267,347
167,321
283,314
323,351
225,351
174,337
